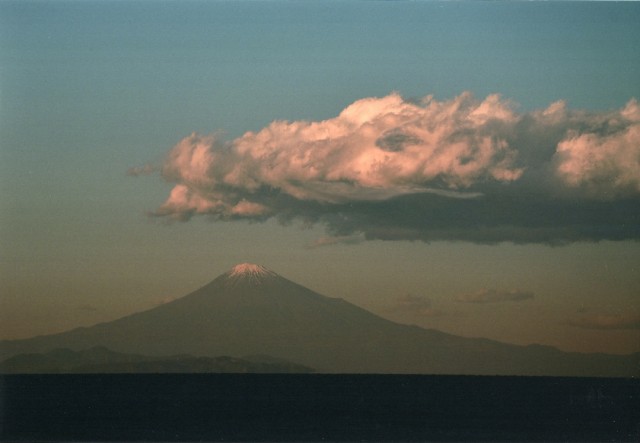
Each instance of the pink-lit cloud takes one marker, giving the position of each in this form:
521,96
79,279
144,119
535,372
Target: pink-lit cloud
606,163
377,148
478,160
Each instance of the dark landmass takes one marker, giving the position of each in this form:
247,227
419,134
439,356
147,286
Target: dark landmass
100,360
253,311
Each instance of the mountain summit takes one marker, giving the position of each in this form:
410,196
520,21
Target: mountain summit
251,310
250,272
249,269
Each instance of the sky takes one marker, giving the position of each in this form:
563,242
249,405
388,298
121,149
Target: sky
472,167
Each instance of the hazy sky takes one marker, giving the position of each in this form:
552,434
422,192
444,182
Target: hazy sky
468,166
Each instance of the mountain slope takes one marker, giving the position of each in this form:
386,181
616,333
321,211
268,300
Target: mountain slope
251,310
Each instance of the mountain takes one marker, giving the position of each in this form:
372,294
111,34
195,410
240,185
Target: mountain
251,310
101,360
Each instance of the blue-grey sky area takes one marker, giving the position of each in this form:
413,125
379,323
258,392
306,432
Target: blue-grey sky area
467,166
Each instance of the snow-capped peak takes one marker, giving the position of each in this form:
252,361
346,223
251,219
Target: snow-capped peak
250,271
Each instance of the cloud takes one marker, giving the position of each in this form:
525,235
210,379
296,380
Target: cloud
495,296
137,171
606,163
335,240
607,321
392,169
417,305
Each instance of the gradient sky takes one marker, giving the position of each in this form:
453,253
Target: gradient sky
94,95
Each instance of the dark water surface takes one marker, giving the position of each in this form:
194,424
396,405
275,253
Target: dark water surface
217,407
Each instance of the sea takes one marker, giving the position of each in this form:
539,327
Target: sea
317,407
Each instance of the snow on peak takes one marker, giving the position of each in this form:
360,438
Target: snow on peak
251,271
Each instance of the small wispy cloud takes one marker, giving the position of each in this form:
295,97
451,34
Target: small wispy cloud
147,169
606,321
395,169
495,296
416,305
337,240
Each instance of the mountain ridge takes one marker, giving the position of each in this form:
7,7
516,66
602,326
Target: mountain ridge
251,310
104,361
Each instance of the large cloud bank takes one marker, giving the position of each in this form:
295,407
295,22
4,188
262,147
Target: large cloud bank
391,168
